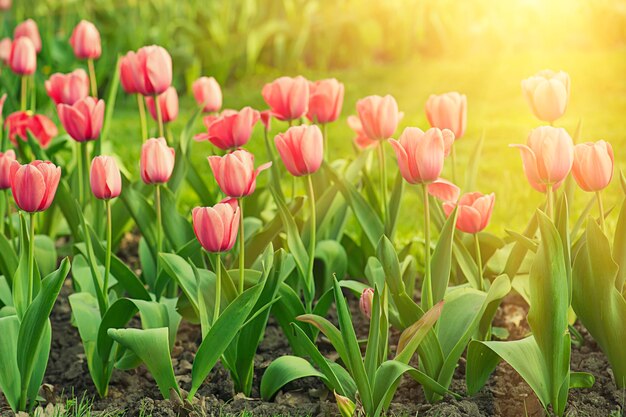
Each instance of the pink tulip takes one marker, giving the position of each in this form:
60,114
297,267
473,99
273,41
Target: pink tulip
85,41
420,154
5,5
5,51
105,178
379,116
129,72
548,157
287,97
593,165
6,160
301,148
208,94
448,111
444,190
266,119
34,185
23,58
28,29
216,227
157,161
21,122
68,88
154,70
474,211
547,94
365,302
231,129
82,120
360,140
168,101
325,100
235,173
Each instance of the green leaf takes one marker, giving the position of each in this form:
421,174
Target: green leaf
474,163
8,259
619,248
45,254
10,380
110,101
411,338
334,260
393,209
177,230
441,262
142,212
284,370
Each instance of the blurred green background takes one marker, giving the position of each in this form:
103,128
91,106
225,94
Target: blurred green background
407,48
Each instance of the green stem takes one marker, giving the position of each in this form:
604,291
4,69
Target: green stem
8,225
79,167
31,256
159,236
453,161
142,117
383,179
479,262
242,246
218,287
157,105
325,131
107,261
601,208
550,201
85,171
92,78
24,94
427,289
312,242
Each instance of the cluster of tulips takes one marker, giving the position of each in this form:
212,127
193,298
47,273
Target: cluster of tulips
290,262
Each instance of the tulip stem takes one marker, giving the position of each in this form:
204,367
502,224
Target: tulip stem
383,179
31,256
159,236
142,117
325,130
92,78
310,282
107,261
479,262
79,167
218,287
453,161
549,201
85,172
157,105
601,208
242,246
427,289
24,93
8,225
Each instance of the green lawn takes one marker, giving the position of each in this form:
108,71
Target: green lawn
495,107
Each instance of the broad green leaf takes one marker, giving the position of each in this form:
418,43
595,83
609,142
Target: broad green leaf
10,380
411,338
8,259
335,263
182,272
284,370
442,259
142,212
518,253
177,230
619,248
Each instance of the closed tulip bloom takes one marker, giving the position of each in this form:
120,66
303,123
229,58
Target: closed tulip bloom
82,120
28,29
157,161
155,70
85,41
448,111
325,100
5,51
208,94
301,148
6,160
23,57
593,165
68,88
365,302
129,72
5,4
474,211
287,97
216,227
231,129
547,157
168,100
379,116
420,154
21,122
105,178
235,173
547,94
34,185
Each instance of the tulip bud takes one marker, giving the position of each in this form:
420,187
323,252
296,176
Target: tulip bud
421,154
83,119
448,111
154,74
235,173
216,227
34,185
346,405
23,58
365,302
129,72
68,88
287,97
325,100
5,51
168,101
301,148
6,160
208,94
85,41
547,94
28,29
379,116
157,161
474,211
231,129
593,165
105,178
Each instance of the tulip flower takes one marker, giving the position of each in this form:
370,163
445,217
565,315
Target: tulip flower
68,88
448,111
28,29
232,129
21,122
129,71
287,97
379,116
301,148
105,178
23,57
365,302
208,94
85,41
6,159
216,230
5,5
34,185
547,94
154,74
473,215
235,173
444,190
82,120
157,161
168,102
593,169
325,100
361,140
5,50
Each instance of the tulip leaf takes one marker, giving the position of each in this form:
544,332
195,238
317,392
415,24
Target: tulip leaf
619,248
110,102
142,212
8,259
393,208
10,380
474,163
177,230
334,260
441,262
284,370
181,271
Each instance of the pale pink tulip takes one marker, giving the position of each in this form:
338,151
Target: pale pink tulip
235,173
444,190
85,41
155,70
379,116
34,185
325,100
287,97
216,227
157,161
474,211
6,160
105,178
593,165
5,51
231,130
168,101
23,58
301,148
547,94
420,154
28,29
208,94
82,120
68,88
448,111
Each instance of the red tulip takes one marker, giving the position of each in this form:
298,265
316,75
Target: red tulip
82,120
231,129
474,211
157,161
301,148
235,173
168,101
42,128
325,100
448,111
68,88
28,29
208,94
129,72
5,51
593,165
23,58
287,97
6,160
379,116
85,41
365,302
105,178
34,185
216,227
155,70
